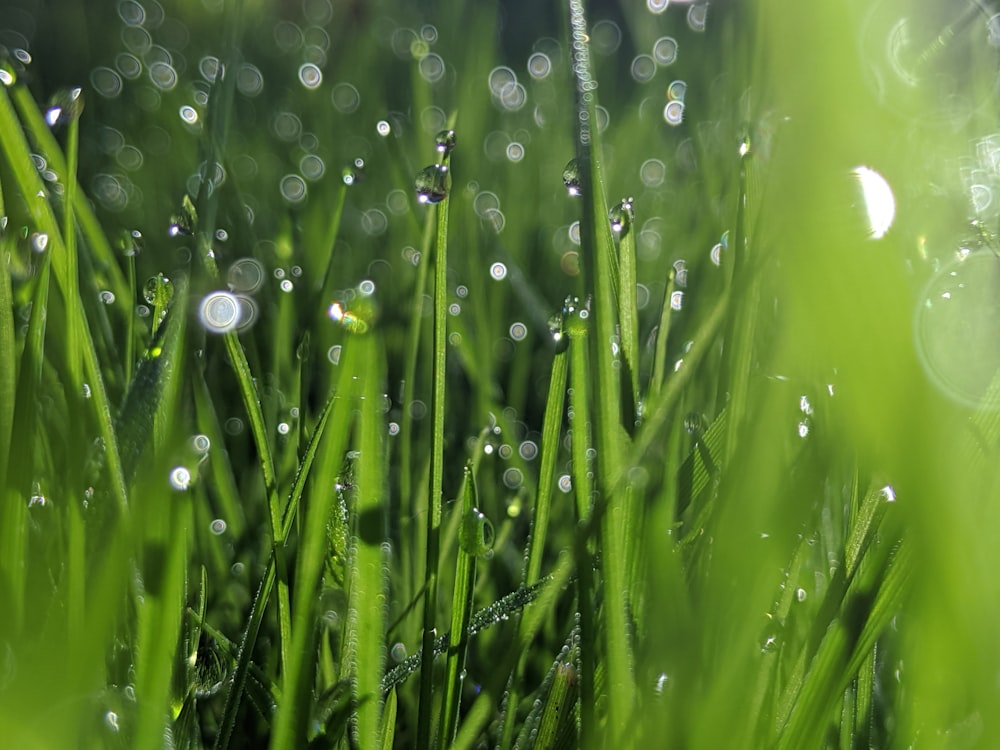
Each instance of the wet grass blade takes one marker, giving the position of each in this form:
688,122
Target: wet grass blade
434,502
549,449
602,274
137,425
474,527
21,466
363,638
291,719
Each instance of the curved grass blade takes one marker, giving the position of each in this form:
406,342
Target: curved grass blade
461,606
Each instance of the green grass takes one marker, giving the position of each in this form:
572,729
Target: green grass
686,459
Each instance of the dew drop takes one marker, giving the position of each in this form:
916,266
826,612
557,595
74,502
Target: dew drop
383,128
498,271
293,188
518,331
188,114
217,527
107,297
539,65
245,275
431,184
571,177
665,50
673,113
182,223
677,300
310,75
39,242
64,107
445,142
180,478
158,291
622,216
476,534
219,312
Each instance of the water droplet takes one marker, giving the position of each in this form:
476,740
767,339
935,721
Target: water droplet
539,65
652,173
383,128
64,106
575,317
249,80
39,241
571,177
445,142
677,300
245,275
346,98
622,216
182,223
293,188
676,91
431,184
360,316
188,114
803,429
665,50
680,273
180,478
565,484
673,113
111,721
476,535
431,67
199,444
515,151
498,271
158,291
217,527
219,312
518,331
878,199
800,595
107,297
310,75
643,68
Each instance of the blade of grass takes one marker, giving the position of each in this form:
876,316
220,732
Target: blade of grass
577,324
473,530
27,181
434,502
293,712
238,681
551,430
602,277
367,586
17,488
87,221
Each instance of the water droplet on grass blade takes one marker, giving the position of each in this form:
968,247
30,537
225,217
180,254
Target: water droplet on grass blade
39,242
476,534
445,142
622,216
431,184
182,223
571,177
64,106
